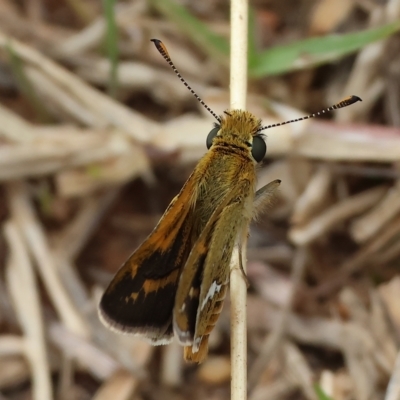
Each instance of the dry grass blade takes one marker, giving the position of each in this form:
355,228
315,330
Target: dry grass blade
380,333
314,195
298,369
24,215
333,216
93,358
368,225
115,114
24,291
361,368
389,294
51,149
84,178
86,39
365,78
13,127
120,386
393,390
70,241
383,333
327,141
361,258
11,345
109,173
272,343
278,390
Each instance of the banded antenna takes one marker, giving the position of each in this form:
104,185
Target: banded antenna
348,101
164,52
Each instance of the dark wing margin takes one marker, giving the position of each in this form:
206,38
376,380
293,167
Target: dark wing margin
140,298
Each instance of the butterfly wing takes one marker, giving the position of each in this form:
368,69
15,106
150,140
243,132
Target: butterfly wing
197,307
230,229
141,296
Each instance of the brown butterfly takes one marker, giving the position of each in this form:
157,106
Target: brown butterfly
176,281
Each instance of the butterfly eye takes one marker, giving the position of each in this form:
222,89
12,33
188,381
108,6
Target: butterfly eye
259,148
211,136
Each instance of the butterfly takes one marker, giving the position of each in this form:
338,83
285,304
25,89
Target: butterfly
175,282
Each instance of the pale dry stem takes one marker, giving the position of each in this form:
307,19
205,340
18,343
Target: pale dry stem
172,365
238,287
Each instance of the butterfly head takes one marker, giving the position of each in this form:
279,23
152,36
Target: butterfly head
239,129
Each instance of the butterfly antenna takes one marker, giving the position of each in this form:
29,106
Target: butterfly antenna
348,101
163,51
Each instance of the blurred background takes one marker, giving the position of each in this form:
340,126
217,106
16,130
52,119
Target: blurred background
97,135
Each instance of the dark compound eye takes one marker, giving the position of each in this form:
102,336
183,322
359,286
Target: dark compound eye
211,136
259,148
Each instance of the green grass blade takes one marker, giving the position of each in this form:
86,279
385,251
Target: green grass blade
311,52
278,60
252,42
321,394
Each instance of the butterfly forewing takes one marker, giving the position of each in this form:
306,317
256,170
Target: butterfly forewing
141,296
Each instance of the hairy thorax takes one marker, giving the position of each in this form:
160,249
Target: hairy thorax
223,171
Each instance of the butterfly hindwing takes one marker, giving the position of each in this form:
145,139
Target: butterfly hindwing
203,283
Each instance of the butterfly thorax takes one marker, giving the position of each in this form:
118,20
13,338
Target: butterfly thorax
227,163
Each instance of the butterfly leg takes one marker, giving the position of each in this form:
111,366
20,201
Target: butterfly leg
262,199
241,265
264,196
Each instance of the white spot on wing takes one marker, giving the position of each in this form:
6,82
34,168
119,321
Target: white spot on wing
214,288
196,344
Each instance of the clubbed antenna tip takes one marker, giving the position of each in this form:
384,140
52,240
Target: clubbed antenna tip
163,51
348,101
